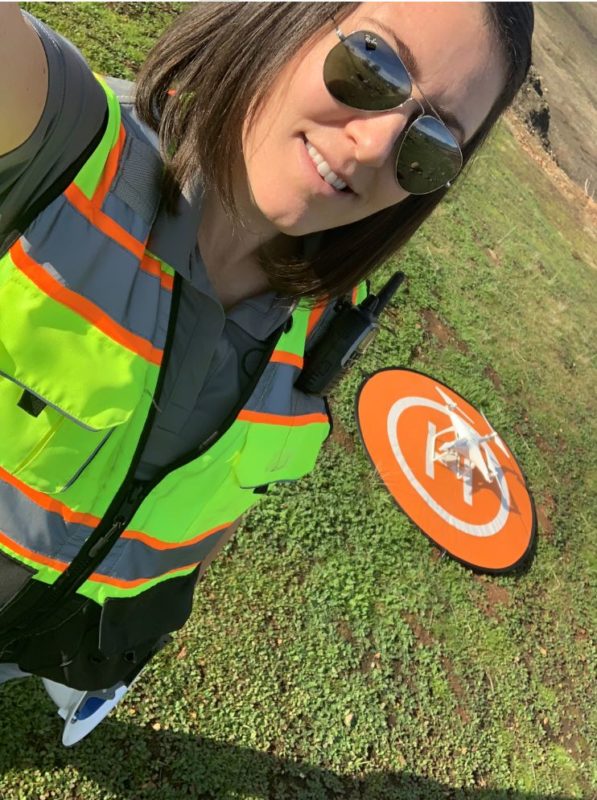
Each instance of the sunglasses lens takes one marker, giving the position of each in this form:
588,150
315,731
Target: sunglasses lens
429,157
363,72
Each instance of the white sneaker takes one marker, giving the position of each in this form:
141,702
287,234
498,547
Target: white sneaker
83,711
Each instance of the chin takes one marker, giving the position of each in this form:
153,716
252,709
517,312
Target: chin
291,221
296,230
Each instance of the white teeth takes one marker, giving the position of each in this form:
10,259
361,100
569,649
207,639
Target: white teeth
324,170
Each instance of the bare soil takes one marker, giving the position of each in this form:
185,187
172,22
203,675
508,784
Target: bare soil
559,101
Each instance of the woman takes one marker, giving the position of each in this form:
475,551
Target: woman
152,267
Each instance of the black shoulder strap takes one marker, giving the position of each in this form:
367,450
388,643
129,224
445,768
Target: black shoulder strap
52,192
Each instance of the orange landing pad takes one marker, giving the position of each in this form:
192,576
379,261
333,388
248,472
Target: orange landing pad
412,427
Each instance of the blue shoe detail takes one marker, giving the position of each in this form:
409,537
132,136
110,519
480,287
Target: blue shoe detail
90,706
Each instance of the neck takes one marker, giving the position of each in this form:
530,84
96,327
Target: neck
230,251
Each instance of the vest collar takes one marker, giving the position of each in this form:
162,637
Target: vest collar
174,238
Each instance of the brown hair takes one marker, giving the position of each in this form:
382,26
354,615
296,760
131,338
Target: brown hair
222,59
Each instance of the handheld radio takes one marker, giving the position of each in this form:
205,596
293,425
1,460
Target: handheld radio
347,336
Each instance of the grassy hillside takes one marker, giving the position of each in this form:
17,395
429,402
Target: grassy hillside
332,652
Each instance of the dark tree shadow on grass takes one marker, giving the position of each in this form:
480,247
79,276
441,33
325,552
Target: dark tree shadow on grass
135,762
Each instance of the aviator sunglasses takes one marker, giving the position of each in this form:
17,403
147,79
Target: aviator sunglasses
362,71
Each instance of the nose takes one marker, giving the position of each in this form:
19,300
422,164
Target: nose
374,134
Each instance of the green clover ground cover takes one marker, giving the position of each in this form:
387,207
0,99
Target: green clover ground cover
332,653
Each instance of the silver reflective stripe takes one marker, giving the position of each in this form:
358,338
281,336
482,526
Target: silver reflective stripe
275,394
41,531
125,90
101,271
48,534
131,559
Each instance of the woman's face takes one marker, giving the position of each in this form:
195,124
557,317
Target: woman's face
458,69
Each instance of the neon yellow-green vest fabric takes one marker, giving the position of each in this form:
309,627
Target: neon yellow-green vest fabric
84,312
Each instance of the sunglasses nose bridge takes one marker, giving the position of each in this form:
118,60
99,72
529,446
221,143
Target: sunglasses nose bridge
375,134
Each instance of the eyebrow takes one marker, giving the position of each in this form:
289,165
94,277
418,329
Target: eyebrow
411,64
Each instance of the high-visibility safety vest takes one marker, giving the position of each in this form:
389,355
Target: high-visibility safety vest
85,315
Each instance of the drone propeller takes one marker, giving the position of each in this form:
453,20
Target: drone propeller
496,438
452,405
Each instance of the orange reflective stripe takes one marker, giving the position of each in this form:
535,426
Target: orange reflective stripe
92,212
110,169
158,544
49,503
314,317
32,555
283,357
103,222
281,419
61,566
354,295
85,308
153,267
124,584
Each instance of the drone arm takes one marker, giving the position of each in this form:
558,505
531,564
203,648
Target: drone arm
445,430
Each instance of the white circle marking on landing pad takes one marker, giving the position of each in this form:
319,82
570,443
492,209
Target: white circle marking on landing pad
482,531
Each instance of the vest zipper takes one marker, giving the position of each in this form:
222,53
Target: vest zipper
116,528
132,491
102,540
101,546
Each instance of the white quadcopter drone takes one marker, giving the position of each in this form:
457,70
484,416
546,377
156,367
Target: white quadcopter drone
467,451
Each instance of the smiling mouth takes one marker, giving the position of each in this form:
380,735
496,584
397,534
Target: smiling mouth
325,171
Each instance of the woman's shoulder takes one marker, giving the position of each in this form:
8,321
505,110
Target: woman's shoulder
23,77
74,111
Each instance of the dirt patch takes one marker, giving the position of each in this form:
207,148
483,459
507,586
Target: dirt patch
572,720
369,662
546,509
441,331
564,121
564,47
581,635
532,107
422,636
493,599
549,449
436,553
457,689
492,375
581,204
342,437
497,595
345,631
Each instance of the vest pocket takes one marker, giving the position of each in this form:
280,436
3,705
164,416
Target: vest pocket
43,445
279,453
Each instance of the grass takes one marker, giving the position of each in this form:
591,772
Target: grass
332,653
